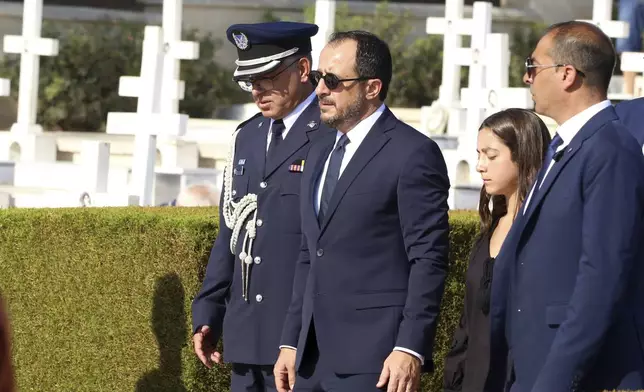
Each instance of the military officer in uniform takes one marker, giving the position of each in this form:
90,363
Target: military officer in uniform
249,278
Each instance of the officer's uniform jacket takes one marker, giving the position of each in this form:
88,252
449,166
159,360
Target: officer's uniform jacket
248,292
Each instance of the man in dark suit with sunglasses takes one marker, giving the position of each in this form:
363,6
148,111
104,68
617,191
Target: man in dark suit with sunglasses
248,282
370,278
567,294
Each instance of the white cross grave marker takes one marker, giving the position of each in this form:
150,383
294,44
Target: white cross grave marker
454,56
453,27
325,19
148,122
30,46
174,50
476,57
496,95
603,18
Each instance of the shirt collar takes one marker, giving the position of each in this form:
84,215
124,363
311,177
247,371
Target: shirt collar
573,125
357,134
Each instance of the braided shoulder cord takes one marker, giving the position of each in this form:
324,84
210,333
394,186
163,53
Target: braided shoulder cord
235,214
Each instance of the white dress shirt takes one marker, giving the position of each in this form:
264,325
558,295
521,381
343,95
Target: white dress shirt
355,136
567,132
290,118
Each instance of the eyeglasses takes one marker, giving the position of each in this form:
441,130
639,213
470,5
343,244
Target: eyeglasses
331,80
530,67
263,83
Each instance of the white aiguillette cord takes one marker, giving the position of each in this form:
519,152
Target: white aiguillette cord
235,214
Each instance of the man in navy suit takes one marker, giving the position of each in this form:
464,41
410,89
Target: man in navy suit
568,293
248,283
630,114
370,277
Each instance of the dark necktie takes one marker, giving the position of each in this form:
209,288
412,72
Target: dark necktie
332,175
552,150
277,129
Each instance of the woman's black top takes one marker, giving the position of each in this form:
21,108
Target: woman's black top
467,363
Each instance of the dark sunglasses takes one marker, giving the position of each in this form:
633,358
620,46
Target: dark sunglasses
530,67
332,81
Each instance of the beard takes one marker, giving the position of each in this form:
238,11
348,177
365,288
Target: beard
348,114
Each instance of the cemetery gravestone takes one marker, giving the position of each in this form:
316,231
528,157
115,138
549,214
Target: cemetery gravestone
148,122
30,45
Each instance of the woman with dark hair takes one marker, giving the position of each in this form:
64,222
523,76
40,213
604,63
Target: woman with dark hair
6,368
511,147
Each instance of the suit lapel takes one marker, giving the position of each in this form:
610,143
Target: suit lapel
570,151
373,142
298,135
595,123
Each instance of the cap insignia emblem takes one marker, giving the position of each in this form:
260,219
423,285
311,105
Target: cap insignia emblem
241,41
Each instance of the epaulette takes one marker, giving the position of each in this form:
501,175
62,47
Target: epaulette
241,125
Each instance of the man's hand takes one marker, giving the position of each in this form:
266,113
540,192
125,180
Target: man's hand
205,348
402,370
284,370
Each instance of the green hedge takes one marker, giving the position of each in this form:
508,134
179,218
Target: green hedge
99,299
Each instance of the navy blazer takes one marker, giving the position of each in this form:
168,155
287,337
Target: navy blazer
372,275
630,114
568,288
253,328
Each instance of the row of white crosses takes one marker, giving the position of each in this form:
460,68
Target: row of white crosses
603,18
34,145
158,90
488,60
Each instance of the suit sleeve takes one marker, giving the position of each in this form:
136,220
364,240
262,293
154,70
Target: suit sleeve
209,306
423,188
613,200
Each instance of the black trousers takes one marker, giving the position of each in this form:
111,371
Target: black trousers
315,374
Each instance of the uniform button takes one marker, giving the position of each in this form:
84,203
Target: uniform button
234,192
259,298
519,310
259,223
320,253
258,260
262,185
